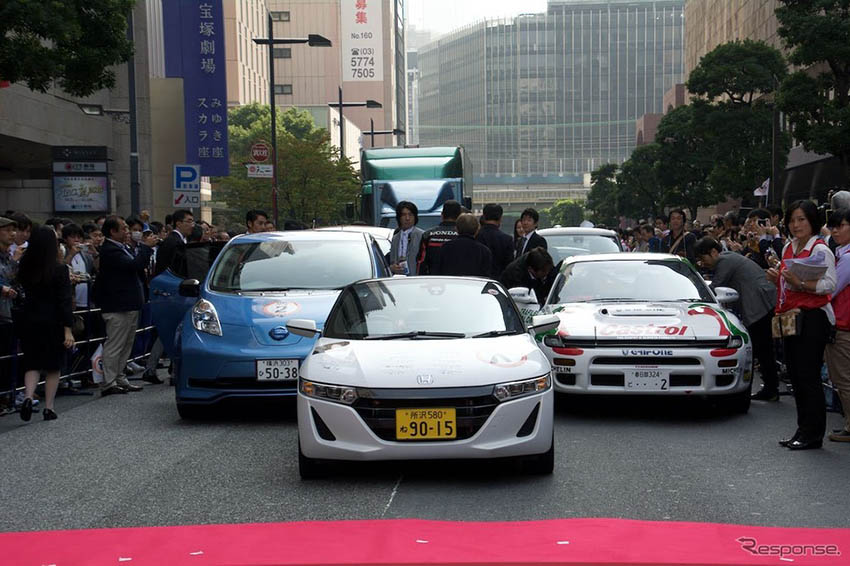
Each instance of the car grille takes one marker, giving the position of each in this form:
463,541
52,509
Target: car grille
243,383
473,406
645,360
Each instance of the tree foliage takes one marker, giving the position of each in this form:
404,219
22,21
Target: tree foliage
313,183
639,192
73,41
816,100
740,70
602,198
566,213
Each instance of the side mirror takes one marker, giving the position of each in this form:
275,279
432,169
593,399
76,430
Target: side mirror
523,296
302,327
189,288
544,323
726,295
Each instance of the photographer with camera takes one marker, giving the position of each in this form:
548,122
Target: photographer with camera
79,259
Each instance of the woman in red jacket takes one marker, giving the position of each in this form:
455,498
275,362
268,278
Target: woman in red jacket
804,352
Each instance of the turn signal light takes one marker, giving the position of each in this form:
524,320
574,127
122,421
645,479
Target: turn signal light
727,363
564,362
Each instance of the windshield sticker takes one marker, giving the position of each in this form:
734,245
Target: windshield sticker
626,330
501,360
279,309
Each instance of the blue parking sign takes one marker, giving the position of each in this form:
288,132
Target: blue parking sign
187,178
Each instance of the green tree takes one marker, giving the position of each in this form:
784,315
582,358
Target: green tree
313,183
602,198
566,212
640,193
734,119
816,100
74,41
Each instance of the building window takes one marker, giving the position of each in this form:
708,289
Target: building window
280,16
282,52
283,89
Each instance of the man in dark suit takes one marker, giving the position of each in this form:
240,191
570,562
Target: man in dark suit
529,220
463,255
183,223
533,270
119,293
501,245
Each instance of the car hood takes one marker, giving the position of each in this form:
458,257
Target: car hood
674,321
271,311
424,363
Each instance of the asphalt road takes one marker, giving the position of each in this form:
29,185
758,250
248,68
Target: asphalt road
128,460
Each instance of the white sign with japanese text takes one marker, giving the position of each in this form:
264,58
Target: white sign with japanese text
362,40
260,171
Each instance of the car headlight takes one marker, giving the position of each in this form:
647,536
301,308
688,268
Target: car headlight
205,318
514,389
735,342
336,393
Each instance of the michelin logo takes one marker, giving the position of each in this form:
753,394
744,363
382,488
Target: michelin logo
647,352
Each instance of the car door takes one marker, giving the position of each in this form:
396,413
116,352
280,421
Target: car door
167,306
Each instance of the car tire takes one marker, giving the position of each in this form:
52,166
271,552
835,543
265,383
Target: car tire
738,403
310,468
542,464
189,412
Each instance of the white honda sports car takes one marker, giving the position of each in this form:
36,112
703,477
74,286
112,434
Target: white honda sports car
413,368
635,323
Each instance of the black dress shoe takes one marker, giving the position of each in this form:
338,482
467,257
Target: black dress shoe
113,390
765,394
801,444
130,387
26,409
151,377
786,441
49,415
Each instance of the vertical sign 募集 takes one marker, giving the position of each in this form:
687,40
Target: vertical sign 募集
362,40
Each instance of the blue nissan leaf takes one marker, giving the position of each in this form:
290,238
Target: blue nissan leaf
221,313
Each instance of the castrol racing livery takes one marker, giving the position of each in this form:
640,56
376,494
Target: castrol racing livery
647,324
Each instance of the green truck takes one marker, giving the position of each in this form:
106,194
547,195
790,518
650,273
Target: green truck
427,177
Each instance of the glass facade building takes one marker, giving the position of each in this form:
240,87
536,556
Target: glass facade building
554,94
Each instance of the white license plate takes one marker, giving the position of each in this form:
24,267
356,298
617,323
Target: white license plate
647,380
277,370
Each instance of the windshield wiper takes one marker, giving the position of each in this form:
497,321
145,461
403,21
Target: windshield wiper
266,290
416,334
492,333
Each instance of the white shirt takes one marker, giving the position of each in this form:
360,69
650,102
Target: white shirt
403,241
81,290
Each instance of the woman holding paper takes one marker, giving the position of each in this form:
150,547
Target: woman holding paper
805,303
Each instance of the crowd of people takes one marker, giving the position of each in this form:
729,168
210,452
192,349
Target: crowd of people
61,281
50,271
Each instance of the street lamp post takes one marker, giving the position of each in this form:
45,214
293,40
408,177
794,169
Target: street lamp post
312,40
340,104
373,132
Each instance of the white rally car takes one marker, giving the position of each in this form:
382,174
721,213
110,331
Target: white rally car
415,368
635,323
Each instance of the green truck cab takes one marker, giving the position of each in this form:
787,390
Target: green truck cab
427,177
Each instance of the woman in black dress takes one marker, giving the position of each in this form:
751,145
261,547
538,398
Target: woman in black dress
46,319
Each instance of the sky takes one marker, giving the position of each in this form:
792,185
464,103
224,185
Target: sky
442,16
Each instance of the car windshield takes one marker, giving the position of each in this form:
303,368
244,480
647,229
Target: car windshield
284,264
562,246
459,307
650,280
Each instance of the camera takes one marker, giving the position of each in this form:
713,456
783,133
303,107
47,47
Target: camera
762,222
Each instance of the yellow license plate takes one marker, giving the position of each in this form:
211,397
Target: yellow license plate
425,424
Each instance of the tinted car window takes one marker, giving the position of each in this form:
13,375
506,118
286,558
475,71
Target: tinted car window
376,308
284,264
653,280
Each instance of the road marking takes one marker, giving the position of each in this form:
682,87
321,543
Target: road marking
392,496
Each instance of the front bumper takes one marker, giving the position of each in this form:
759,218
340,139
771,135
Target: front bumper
690,371
354,439
213,368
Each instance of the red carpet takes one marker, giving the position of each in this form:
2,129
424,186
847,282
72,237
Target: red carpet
407,542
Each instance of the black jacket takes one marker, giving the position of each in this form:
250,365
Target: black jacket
683,246
118,287
49,303
465,256
517,275
432,241
501,248
535,241
166,252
